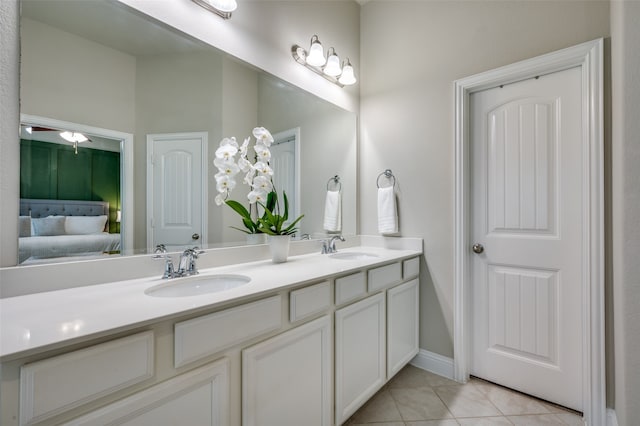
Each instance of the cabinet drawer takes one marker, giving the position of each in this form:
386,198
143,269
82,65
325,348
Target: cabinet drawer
201,396
410,268
208,334
309,300
52,386
350,287
384,276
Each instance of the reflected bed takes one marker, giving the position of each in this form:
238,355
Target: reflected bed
51,229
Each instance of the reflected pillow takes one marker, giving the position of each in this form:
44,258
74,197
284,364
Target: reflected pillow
83,225
24,226
47,226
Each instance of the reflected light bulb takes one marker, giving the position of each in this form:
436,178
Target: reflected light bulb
224,5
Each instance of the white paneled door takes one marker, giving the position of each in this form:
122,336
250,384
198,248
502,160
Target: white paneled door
527,220
177,190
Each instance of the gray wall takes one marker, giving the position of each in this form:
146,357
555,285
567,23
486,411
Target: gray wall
625,209
9,125
407,111
70,78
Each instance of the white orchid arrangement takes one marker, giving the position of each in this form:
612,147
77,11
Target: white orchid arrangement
258,176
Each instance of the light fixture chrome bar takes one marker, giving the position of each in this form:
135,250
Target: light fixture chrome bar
300,54
210,8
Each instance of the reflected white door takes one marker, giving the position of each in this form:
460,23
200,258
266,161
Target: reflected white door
177,190
527,216
285,161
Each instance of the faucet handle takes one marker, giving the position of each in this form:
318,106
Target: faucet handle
195,252
160,252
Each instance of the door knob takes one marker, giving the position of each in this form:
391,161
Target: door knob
478,248
195,236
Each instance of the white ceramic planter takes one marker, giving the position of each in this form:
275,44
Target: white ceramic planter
256,238
279,246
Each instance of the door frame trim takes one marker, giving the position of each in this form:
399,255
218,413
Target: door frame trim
204,145
589,57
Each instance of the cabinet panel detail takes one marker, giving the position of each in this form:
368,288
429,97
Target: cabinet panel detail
360,354
384,276
309,301
58,384
410,268
199,397
350,287
209,334
286,380
402,325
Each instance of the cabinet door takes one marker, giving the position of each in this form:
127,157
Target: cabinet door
197,398
286,380
360,354
402,326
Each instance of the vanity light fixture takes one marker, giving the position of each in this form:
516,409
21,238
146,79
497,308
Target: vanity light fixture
222,8
328,67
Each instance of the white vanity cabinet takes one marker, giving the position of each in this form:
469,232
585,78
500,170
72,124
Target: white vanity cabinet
286,380
197,398
310,354
402,325
360,354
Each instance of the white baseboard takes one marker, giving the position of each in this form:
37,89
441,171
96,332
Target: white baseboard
612,420
434,363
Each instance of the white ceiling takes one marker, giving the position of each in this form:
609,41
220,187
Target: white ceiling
111,24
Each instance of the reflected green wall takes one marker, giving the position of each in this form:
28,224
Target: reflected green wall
54,171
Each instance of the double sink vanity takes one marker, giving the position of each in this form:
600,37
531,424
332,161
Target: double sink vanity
306,342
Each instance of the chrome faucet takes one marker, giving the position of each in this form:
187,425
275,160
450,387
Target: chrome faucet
161,253
329,245
187,264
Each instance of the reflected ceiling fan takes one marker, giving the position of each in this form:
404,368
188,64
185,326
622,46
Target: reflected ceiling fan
74,137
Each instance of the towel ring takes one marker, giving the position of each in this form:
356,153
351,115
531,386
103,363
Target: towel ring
336,180
389,175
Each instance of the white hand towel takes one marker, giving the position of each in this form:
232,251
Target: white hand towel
333,211
387,214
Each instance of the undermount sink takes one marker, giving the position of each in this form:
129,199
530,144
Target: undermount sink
353,255
196,285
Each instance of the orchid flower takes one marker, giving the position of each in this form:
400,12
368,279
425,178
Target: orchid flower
244,148
220,198
229,141
244,164
263,169
226,151
262,151
248,178
263,136
228,168
262,183
225,183
257,196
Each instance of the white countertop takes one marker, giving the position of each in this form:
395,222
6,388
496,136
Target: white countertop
43,321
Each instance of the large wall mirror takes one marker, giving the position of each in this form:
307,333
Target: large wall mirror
133,88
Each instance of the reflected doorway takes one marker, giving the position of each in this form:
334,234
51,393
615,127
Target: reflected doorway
75,191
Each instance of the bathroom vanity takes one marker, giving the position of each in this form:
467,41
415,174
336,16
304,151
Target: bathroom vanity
306,342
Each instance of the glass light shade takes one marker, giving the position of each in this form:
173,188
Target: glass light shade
316,55
348,77
74,137
224,5
119,216
333,66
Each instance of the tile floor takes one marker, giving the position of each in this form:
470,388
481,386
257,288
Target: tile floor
415,397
